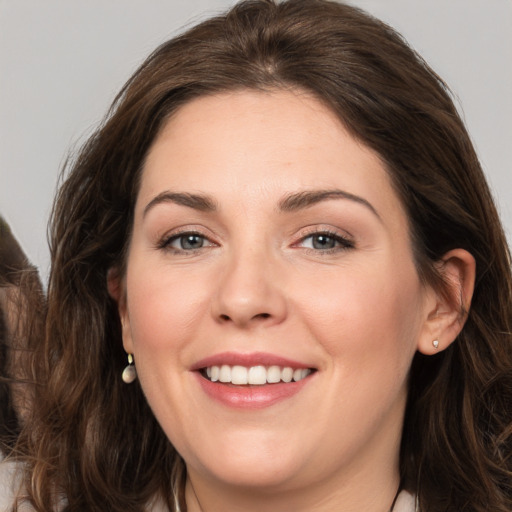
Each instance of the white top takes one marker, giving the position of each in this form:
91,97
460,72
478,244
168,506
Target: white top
9,484
405,503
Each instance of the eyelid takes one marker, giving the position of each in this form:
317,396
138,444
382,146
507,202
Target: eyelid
324,229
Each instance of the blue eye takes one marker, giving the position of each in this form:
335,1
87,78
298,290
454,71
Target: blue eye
186,242
325,242
189,242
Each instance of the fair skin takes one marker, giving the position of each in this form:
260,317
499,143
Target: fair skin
265,234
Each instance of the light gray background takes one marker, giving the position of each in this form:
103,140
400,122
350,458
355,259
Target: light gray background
62,61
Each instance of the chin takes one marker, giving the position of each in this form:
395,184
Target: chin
251,475
259,464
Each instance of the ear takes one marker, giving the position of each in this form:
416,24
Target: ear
116,287
447,308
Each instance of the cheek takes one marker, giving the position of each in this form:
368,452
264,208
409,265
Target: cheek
164,314
164,308
364,316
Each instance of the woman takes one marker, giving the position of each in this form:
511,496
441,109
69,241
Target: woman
283,225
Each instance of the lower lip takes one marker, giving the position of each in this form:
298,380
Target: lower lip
251,397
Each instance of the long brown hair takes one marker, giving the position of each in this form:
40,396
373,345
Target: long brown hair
94,440
22,306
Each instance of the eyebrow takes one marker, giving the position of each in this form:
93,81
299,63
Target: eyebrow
196,201
290,203
305,199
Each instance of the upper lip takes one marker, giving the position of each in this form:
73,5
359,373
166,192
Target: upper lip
248,360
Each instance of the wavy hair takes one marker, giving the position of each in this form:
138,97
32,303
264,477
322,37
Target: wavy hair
94,441
22,309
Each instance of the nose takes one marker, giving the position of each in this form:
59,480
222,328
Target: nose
249,292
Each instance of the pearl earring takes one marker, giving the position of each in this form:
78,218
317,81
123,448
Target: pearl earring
129,373
435,343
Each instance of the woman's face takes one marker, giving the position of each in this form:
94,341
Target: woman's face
268,244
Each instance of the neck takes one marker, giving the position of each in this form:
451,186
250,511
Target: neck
370,495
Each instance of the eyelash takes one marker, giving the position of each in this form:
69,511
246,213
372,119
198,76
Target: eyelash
341,243
165,243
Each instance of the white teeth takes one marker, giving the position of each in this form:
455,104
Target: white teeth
287,374
239,375
300,374
273,374
297,375
225,373
255,375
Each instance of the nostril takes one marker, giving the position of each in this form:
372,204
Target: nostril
260,316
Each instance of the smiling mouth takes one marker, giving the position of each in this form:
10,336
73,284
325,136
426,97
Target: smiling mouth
254,375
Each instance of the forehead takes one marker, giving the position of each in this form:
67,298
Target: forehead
252,145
